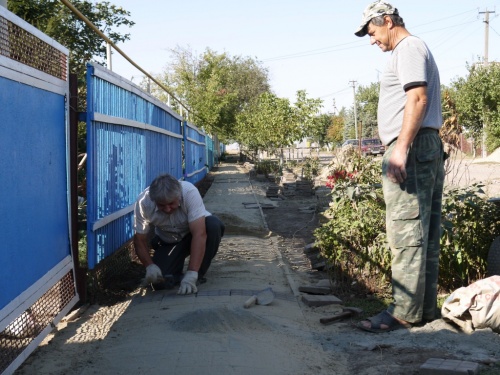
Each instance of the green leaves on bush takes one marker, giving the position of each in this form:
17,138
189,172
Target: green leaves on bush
469,225
353,239
267,167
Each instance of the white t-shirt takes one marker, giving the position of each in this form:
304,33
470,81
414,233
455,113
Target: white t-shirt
172,227
411,64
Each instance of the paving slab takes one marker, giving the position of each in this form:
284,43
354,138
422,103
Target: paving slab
440,366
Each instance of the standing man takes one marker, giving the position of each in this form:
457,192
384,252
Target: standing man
183,228
409,119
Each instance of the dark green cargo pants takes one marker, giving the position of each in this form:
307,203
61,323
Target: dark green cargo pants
413,227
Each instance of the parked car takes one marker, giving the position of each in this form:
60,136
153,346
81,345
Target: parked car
372,146
351,142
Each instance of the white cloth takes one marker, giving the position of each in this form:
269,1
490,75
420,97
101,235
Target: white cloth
475,306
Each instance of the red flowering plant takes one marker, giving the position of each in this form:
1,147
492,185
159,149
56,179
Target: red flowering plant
339,175
353,239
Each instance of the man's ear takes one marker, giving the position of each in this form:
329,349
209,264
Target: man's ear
388,22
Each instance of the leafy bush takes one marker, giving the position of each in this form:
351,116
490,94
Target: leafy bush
469,225
353,240
267,167
310,167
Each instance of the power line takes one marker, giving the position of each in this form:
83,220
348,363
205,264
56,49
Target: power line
359,43
445,18
334,93
496,32
315,51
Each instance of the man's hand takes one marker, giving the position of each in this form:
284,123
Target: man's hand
396,171
153,274
188,283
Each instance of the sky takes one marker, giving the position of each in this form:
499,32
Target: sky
305,44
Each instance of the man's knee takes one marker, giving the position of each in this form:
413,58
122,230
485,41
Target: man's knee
214,227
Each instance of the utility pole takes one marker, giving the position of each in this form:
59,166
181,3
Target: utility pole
109,63
486,43
486,32
355,109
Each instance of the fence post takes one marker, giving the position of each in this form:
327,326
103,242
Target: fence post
80,272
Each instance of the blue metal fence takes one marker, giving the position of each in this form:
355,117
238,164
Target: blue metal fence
34,188
131,138
194,153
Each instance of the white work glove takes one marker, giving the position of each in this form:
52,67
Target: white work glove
188,283
153,274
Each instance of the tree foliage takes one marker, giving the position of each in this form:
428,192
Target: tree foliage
215,87
271,123
477,99
335,132
319,132
367,101
267,124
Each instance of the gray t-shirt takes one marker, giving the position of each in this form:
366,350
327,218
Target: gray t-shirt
172,227
411,65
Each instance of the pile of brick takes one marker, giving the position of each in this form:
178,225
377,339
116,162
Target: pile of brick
292,186
314,256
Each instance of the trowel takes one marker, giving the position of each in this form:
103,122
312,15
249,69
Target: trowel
264,297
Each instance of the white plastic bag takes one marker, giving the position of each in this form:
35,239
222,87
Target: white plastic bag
475,306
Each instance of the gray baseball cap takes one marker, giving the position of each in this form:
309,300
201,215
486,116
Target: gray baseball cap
375,9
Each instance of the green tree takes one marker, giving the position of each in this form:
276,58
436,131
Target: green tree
306,110
367,99
477,99
335,132
215,87
268,124
349,128
271,123
319,132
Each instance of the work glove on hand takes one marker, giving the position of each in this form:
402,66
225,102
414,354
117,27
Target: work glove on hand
188,283
153,274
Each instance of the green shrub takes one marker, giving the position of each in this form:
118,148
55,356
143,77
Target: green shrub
353,240
267,167
469,225
310,167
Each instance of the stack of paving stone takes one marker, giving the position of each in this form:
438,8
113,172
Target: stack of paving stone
319,294
323,195
288,183
304,188
273,192
314,256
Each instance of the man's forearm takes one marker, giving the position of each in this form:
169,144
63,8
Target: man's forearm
142,249
198,245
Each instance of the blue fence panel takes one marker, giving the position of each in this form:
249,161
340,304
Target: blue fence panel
194,153
131,139
37,267
210,152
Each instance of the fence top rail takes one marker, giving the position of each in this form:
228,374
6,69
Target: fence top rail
112,77
194,127
31,29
